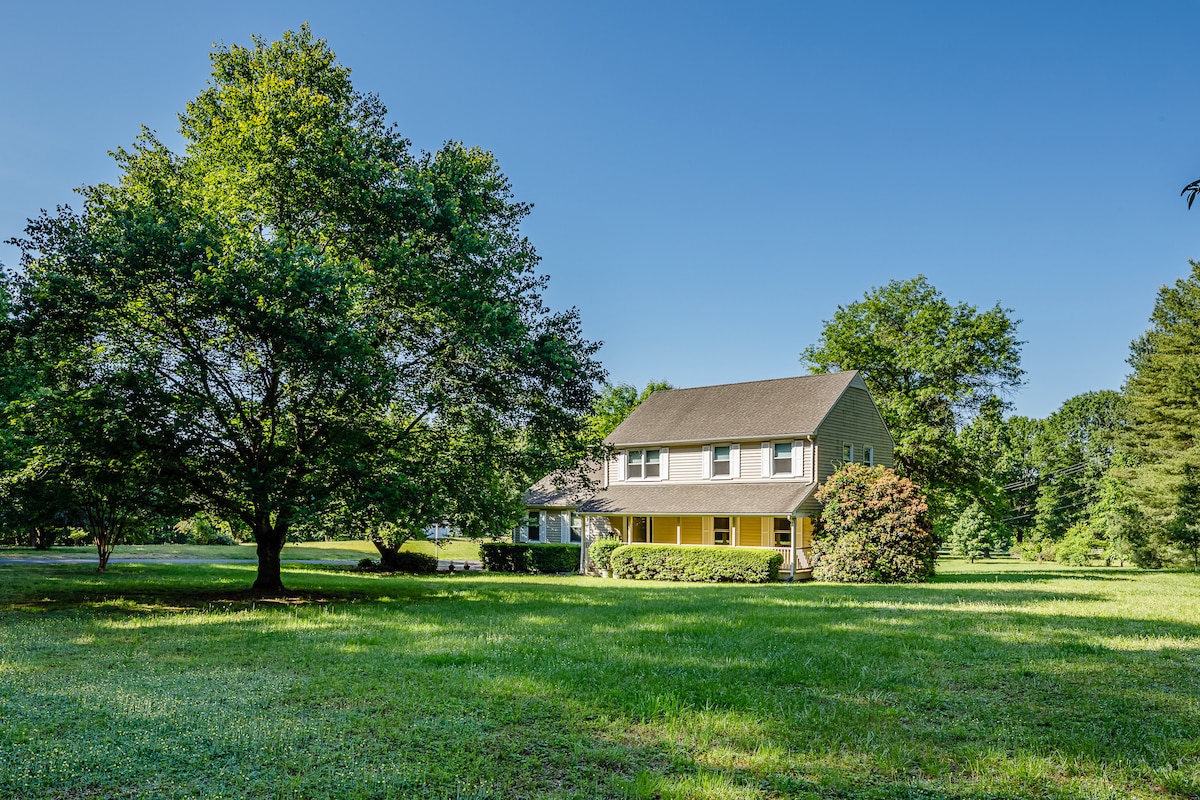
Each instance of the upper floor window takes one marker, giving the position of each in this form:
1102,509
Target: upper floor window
642,464
868,456
847,454
720,460
781,458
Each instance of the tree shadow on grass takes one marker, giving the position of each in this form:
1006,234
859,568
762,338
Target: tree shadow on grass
535,687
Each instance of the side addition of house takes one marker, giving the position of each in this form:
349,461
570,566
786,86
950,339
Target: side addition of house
734,465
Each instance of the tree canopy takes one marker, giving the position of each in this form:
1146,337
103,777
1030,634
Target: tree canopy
314,313
1162,439
931,365
616,402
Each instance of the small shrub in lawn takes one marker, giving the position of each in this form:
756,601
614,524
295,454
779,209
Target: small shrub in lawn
874,528
419,563
601,550
669,562
525,557
366,565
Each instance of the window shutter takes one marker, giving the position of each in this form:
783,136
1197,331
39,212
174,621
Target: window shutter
798,461
623,464
706,462
735,461
663,461
768,463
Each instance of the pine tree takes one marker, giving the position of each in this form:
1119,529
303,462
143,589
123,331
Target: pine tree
1163,394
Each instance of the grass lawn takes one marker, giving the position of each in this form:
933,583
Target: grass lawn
995,681
457,549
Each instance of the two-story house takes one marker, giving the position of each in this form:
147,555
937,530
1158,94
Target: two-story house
734,465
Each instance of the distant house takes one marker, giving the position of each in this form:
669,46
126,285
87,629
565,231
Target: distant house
731,465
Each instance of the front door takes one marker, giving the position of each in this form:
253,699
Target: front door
639,529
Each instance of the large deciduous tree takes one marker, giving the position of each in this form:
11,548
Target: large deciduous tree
930,365
304,295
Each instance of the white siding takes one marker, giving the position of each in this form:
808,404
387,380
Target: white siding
686,464
751,461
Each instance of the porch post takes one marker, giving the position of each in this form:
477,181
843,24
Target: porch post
583,542
679,530
793,549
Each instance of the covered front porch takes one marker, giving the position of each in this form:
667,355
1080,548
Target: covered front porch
790,536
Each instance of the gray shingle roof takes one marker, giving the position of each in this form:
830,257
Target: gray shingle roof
783,406
725,499
545,493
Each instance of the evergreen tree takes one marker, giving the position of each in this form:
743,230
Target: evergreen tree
1163,395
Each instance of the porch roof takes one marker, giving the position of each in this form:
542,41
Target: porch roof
723,499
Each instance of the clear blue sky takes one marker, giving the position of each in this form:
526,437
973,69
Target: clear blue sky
711,180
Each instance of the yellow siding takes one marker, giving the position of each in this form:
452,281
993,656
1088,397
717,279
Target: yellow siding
805,526
662,530
692,530
749,531
706,528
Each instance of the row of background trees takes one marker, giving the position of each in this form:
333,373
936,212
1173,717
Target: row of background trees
298,327
1111,475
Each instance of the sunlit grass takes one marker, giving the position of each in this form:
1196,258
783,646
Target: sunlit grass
352,550
994,681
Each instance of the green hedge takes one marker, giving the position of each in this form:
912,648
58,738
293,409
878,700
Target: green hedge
601,550
668,562
510,557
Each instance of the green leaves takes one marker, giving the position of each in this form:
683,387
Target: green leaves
314,314
930,366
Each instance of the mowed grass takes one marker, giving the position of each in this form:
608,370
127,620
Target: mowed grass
995,681
457,549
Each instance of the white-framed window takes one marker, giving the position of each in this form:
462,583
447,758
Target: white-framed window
722,531
721,461
643,465
574,528
533,526
847,454
868,456
783,532
781,458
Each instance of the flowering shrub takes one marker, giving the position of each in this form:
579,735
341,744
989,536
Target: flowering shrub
874,528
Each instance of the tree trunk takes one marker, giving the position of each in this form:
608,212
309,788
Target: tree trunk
104,550
387,555
270,539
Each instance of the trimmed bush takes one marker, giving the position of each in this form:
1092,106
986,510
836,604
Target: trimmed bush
420,563
670,562
601,551
526,557
874,528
